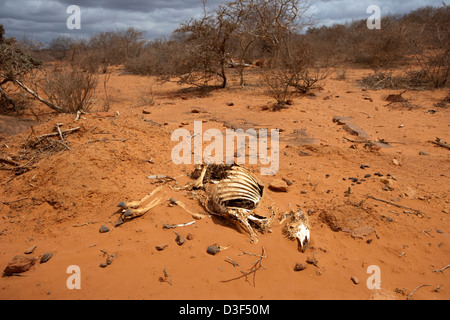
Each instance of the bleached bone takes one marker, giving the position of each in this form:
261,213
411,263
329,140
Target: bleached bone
137,204
297,227
133,213
236,197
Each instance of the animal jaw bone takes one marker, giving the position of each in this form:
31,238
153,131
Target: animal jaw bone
297,227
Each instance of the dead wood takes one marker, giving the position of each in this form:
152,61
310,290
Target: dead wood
395,204
34,94
441,143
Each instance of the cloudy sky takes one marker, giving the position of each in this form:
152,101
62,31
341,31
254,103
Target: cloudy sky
46,19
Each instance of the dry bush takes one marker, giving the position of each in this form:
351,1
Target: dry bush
72,90
426,34
277,86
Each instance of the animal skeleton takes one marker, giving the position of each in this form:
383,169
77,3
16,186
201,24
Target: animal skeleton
238,196
297,227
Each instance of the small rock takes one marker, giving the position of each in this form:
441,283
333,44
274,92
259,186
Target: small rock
190,236
312,260
303,192
378,174
19,264
395,162
103,229
30,250
46,256
299,267
423,153
367,176
195,111
146,112
355,280
310,212
230,104
213,249
103,265
278,185
179,239
363,166
161,247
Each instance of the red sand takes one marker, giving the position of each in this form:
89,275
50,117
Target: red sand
83,185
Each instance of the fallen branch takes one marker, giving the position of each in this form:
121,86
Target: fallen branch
395,204
57,133
422,285
12,201
10,162
440,143
34,94
105,140
85,224
442,270
256,266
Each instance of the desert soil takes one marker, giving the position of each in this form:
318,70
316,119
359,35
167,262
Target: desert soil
59,204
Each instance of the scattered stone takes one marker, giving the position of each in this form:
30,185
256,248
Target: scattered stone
103,265
423,153
312,260
299,267
161,247
213,249
230,104
30,250
19,264
363,166
310,212
395,162
146,112
179,239
303,192
278,185
195,111
190,236
367,176
103,229
378,174
355,280
388,184
45,257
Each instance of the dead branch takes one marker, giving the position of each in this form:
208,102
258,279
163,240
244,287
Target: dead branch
57,133
440,143
34,94
12,201
395,204
422,285
252,271
10,162
442,270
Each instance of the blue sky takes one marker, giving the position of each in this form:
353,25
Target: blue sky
46,19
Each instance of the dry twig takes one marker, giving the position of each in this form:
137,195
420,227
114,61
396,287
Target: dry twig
422,285
395,204
256,266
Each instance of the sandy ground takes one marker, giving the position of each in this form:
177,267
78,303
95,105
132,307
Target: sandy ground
60,204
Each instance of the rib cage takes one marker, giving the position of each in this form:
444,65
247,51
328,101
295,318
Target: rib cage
239,190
